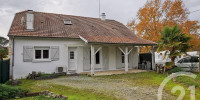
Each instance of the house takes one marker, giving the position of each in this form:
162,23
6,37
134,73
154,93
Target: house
45,41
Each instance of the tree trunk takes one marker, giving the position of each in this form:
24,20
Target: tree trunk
173,61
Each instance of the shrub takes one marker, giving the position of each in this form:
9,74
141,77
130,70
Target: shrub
3,53
9,92
174,70
168,65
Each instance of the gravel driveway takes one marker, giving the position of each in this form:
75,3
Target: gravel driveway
114,87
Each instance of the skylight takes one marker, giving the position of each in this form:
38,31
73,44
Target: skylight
67,22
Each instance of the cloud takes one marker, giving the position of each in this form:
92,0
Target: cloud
120,10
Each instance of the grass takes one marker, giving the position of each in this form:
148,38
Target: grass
140,79
154,79
46,75
72,93
38,98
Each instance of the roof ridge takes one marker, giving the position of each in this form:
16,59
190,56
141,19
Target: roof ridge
65,15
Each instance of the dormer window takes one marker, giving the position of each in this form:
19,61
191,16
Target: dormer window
67,22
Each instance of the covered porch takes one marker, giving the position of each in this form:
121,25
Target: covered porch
114,52
116,58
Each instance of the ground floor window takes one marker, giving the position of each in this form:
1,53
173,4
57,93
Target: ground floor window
98,58
123,57
41,53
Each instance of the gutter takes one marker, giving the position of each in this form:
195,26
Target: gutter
122,44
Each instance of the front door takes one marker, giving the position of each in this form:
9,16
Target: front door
72,59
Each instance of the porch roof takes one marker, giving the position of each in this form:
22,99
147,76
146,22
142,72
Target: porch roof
116,40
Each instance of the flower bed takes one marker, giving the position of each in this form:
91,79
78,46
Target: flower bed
41,76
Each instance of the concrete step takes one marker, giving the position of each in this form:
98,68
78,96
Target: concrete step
71,72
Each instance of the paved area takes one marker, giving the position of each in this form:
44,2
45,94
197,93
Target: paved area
114,72
121,89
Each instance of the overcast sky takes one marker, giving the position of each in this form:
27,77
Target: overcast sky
120,10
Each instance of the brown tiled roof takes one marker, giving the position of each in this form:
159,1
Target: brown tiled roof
94,30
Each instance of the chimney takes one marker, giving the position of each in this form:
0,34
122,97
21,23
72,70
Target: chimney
29,20
103,16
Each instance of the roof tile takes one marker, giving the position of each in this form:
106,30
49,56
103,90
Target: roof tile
92,29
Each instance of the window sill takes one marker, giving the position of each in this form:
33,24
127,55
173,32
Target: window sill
41,60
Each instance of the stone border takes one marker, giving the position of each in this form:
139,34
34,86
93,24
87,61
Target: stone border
46,93
38,75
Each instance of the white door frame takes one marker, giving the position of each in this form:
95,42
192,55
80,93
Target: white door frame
75,57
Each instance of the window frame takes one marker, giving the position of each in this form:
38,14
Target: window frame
42,56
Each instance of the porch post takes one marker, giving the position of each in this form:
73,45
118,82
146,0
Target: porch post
126,59
153,58
92,60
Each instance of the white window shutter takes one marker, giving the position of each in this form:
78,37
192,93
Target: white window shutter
54,53
28,53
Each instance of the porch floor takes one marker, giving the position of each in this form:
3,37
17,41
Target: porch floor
113,72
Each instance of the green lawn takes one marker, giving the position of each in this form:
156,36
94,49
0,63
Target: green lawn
141,79
155,79
72,93
38,98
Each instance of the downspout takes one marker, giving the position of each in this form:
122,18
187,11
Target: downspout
13,49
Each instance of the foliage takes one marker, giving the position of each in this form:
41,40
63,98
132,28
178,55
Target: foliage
174,41
9,92
156,14
174,70
168,65
38,98
3,41
3,53
46,75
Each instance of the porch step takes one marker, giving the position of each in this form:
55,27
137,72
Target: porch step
71,72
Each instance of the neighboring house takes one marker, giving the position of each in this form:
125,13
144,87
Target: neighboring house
42,42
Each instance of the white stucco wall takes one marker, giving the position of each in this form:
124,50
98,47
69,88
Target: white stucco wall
110,56
22,68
